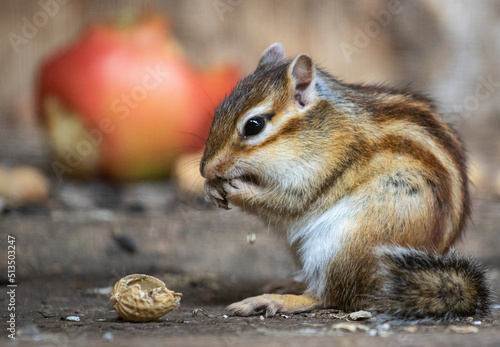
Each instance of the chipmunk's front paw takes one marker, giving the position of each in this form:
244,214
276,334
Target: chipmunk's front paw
267,304
216,193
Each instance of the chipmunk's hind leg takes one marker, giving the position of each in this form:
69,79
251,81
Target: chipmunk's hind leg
270,304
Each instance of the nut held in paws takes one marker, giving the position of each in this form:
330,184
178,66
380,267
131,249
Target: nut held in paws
143,298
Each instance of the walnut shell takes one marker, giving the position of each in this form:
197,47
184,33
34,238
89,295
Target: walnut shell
143,298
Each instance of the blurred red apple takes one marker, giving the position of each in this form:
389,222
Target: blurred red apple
123,101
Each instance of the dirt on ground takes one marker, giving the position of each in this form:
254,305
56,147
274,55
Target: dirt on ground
54,312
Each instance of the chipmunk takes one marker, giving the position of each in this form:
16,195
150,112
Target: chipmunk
366,183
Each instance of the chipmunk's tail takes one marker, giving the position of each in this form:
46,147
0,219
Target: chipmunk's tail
418,284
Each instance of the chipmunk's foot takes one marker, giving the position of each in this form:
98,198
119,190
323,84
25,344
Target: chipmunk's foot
270,304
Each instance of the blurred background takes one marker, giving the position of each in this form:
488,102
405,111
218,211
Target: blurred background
447,49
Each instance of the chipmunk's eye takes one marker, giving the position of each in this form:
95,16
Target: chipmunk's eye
254,126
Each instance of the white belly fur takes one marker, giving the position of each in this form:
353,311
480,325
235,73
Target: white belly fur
320,239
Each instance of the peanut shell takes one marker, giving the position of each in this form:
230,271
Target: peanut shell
143,298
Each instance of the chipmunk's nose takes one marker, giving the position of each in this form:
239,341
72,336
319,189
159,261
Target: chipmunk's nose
202,166
205,166
207,169
216,167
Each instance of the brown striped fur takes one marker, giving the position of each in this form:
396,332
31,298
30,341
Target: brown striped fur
377,163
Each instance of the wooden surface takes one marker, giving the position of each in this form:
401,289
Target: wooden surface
79,233
82,231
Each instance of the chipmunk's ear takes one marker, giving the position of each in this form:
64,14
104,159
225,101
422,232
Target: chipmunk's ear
303,74
273,55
